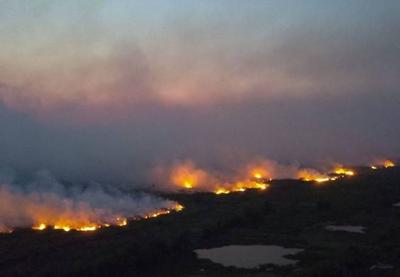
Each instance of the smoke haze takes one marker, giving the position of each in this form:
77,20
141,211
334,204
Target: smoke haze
48,202
108,91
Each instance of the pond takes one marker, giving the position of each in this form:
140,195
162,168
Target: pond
249,256
346,228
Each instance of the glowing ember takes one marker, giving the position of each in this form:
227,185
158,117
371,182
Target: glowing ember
388,164
40,211
258,171
261,186
222,191
122,222
81,228
344,171
383,163
258,175
311,175
40,227
188,185
88,228
242,186
65,228
177,208
187,176
157,214
322,180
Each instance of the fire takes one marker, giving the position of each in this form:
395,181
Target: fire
188,185
311,175
50,210
61,227
388,164
222,191
155,214
322,180
67,228
242,186
250,176
384,164
87,228
258,175
121,222
76,226
261,186
178,207
187,176
344,171
258,171
39,227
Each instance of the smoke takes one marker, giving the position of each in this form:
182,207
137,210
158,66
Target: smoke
187,176
95,96
48,202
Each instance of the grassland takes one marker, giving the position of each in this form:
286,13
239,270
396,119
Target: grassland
290,213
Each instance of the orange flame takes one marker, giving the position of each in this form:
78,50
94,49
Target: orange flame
388,164
344,171
383,163
120,221
176,208
187,176
311,175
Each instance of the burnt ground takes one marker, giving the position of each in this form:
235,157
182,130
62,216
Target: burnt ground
290,213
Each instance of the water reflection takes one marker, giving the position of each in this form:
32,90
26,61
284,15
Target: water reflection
346,228
250,256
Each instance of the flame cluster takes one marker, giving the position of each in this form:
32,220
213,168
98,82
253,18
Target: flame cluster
76,226
383,164
312,175
119,222
188,177
50,210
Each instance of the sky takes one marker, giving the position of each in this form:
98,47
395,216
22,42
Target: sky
105,90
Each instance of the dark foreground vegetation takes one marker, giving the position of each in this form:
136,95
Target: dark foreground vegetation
290,213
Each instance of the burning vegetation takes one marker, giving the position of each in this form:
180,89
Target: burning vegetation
383,164
42,206
47,204
255,175
188,177
119,221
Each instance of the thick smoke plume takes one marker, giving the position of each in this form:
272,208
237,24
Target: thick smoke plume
253,174
47,202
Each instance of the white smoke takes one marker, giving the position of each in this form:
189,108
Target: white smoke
47,201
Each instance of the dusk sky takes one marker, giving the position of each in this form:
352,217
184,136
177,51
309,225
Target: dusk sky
106,90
